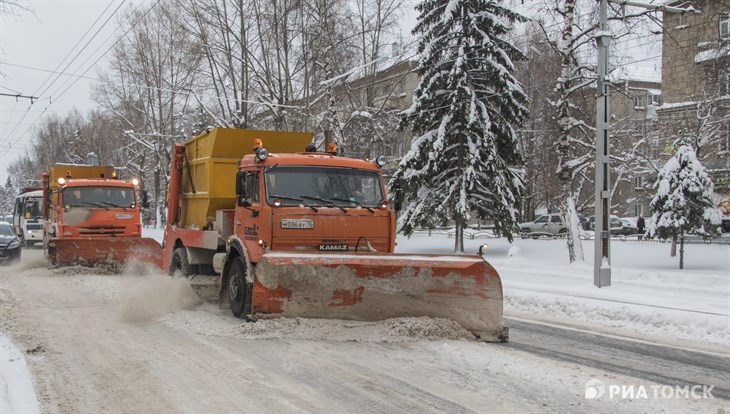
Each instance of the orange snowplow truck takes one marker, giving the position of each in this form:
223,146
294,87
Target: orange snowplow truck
270,229
92,218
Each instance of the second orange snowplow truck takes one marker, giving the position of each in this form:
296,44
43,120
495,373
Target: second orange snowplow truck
271,229
91,218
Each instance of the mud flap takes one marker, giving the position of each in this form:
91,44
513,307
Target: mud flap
371,287
112,251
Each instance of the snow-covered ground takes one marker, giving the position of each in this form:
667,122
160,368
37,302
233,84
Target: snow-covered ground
649,296
139,341
16,387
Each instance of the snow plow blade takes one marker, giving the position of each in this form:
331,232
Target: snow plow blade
111,252
371,287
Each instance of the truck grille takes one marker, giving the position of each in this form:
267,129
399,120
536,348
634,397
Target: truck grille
102,231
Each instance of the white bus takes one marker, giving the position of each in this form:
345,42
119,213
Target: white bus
28,217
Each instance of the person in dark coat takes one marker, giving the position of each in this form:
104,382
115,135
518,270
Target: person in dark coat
640,226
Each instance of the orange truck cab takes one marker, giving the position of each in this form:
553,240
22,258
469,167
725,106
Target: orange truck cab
267,225
90,216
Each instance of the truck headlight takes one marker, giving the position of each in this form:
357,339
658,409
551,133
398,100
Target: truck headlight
381,161
14,244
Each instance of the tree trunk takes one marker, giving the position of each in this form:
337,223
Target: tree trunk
673,249
459,238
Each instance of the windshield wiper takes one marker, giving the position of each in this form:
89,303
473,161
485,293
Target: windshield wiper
84,203
356,203
329,202
106,203
295,199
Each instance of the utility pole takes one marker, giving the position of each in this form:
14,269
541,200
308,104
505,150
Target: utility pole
602,258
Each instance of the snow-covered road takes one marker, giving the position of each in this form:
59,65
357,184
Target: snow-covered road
123,343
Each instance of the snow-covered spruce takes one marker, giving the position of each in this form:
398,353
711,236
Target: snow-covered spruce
683,201
464,156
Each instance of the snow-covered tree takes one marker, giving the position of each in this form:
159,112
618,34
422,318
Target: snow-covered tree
683,201
465,153
7,197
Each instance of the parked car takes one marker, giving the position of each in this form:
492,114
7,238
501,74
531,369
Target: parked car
617,227
548,223
8,219
629,226
9,244
725,225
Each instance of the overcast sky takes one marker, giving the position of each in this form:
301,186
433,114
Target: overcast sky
42,39
47,37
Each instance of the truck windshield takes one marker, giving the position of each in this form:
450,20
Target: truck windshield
105,197
293,185
33,208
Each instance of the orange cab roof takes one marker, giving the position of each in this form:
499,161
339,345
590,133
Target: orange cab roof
311,158
97,182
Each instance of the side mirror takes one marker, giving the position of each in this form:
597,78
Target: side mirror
145,199
240,183
398,194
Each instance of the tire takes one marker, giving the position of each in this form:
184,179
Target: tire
179,264
563,231
239,292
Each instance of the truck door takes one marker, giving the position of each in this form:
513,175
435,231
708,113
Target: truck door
248,213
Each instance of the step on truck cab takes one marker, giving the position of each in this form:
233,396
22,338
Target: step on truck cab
270,229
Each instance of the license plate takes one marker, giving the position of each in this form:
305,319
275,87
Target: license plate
334,247
124,216
297,224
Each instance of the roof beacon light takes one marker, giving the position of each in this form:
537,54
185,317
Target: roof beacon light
114,174
135,182
332,148
257,143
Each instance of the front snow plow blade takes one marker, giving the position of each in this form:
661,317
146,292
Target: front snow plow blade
112,252
371,287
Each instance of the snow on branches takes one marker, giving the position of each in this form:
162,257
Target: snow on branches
683,202
465,154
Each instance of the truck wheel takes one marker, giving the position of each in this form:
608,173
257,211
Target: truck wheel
180,264
238,292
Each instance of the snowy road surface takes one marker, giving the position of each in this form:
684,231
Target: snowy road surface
122,343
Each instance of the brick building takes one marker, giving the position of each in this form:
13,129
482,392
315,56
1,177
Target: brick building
696,86
634,103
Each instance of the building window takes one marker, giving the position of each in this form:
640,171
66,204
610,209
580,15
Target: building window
402,86
725,141
639,182
725,26
724,81
639,102
654,100
640,128
638,209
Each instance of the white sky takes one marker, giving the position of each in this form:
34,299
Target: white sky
43,38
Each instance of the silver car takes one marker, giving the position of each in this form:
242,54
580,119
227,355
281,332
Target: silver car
546,224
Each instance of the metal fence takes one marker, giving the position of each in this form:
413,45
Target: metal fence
633,238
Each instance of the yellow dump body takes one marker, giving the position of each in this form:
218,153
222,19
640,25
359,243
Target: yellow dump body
209,184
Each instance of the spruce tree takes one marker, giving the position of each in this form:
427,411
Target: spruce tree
464,155
683,201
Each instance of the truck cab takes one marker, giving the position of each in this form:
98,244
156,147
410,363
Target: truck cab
312,202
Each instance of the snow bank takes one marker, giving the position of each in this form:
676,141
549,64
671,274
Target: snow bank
16,387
